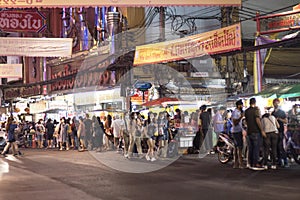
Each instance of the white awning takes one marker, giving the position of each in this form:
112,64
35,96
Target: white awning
36,47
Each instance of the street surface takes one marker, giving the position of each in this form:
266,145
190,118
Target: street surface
72,175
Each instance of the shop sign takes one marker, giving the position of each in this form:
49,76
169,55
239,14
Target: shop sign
11,70
139,97
116,3
38,107
22,21
279,22
57,105
143,86
11,93
35,47
200,74
81,79
212,42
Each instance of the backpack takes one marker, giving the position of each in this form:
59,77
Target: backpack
69,130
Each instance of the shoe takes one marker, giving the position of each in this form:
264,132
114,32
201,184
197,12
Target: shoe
258,168
126,156
148,158
60,149
3,155
265,166
286,165
248,166
153,159
141,156
273,167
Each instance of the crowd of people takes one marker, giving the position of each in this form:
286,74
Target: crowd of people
263,134
148,136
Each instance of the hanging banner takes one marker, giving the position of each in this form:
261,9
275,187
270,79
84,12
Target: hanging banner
212,42
279,22
116,3
11,93
11,70
35,47
22,21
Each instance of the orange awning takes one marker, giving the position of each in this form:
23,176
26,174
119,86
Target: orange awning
116,3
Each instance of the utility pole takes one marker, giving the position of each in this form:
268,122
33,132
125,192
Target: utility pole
162,24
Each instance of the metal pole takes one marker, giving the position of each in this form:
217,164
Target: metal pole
162,24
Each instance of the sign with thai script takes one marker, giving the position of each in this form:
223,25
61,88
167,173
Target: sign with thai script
22,21
11,93
212,42
81,78
11,70
35,47
279,22
117,3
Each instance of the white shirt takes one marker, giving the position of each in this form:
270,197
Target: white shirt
117,126
236,114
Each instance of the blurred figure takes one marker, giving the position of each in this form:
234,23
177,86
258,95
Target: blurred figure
237,133
218,121
11,126
205,121
108,132
255,133
117,127
49,133
270,126
88,131
40,131
125,134
81,135
135,127
282,119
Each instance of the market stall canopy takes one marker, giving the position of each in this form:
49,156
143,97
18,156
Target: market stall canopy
281,91
55,110
116,3
290,91
270,91
159,102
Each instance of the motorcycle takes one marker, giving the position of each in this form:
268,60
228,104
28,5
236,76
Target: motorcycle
224,148
2,139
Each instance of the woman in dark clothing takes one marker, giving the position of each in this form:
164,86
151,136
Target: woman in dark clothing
11,140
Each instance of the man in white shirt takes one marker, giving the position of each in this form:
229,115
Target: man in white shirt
117,126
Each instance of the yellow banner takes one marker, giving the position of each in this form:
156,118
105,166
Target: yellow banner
212,42
127,3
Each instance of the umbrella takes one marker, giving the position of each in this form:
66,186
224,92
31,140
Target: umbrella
290,91
160,101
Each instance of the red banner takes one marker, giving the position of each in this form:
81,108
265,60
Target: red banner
22,21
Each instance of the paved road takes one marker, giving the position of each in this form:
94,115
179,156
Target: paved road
54,175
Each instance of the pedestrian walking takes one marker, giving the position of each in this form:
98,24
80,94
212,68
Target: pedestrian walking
11,126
